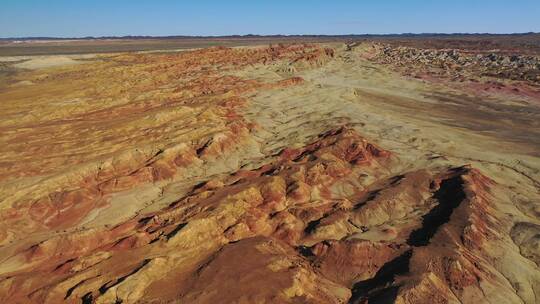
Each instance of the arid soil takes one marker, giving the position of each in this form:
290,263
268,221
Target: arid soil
301,173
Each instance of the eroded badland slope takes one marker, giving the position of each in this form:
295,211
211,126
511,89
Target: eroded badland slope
361,173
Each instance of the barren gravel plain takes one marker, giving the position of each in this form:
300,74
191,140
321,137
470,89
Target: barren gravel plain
367,171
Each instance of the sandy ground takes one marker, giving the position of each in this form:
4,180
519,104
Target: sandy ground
40,62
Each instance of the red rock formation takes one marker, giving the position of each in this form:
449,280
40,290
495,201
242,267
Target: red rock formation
197,213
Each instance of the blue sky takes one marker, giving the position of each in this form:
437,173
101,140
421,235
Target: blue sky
78,18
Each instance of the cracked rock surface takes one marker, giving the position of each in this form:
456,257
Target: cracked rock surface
302,173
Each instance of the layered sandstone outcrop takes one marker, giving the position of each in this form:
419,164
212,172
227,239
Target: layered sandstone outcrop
280,174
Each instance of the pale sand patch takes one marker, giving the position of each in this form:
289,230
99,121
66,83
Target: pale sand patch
40,62
47,62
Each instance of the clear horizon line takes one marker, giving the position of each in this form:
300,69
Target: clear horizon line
265,35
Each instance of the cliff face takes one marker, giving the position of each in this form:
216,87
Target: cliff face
289,173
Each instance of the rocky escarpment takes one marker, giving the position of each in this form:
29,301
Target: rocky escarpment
175,116
204,177
272,202
503,66
321,224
